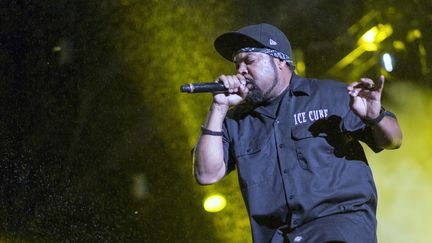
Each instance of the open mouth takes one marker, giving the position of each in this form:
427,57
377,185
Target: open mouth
250,84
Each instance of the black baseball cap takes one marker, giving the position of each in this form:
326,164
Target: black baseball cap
259,35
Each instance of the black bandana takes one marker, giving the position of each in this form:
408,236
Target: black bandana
271,52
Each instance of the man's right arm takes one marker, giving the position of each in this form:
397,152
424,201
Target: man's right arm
209,165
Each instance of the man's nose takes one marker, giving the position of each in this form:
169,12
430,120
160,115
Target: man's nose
242,69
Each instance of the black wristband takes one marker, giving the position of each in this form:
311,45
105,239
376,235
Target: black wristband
210,132
375,121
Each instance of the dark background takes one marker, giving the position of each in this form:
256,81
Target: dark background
95,138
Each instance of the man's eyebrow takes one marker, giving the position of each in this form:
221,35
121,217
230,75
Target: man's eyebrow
238,59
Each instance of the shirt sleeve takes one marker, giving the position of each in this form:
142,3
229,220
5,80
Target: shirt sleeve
228,158
355,127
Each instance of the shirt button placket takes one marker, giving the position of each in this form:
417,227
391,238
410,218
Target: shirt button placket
281,147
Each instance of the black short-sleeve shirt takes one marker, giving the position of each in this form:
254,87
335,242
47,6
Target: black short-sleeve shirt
299,160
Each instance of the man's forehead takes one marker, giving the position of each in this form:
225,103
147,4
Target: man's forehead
242,55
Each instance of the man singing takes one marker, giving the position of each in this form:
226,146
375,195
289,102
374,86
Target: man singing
294,141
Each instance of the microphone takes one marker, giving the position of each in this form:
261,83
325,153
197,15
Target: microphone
203,88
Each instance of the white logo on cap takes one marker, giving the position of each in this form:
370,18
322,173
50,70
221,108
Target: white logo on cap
272,42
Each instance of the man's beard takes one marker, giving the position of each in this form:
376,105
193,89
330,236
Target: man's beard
258,97
255,96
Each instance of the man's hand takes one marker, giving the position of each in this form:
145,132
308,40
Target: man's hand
237,90
366,97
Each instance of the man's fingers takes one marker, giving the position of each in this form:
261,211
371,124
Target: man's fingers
352,89
367,83
222,79
352,85
243,91
354,92
231,82
380,83
242,79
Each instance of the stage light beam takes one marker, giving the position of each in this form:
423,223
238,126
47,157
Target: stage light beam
370,40
370,35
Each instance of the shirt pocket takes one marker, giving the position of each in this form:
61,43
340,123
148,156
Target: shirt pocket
312,150
255,164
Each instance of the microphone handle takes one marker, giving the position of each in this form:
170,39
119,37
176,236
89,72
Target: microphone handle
203,88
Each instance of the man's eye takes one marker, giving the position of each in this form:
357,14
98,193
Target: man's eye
249,61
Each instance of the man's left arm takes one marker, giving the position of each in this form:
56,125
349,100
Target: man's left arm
387,133
365,102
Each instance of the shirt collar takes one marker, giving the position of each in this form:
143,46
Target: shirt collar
298,86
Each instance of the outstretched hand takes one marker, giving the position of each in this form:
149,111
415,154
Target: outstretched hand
366,97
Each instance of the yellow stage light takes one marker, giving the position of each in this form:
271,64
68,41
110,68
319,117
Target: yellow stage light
370,35
300,68
214,203
414,34
300,64
371,38
399,45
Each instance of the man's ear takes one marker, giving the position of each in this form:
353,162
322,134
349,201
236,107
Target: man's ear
280,63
